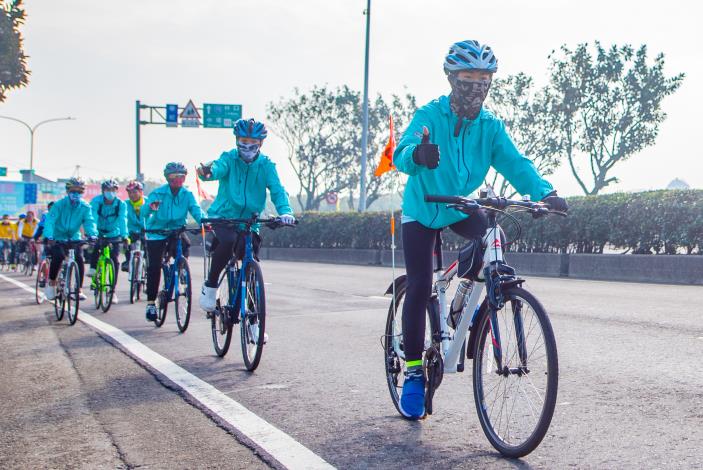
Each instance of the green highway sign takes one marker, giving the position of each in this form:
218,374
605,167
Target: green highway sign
221,115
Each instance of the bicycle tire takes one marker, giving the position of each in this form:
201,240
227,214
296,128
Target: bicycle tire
220,321
161,307
72,290
395,365
108,289
42,278
253,326
516,298
133,279
96,287
58,304
183,317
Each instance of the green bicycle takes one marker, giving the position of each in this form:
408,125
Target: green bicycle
103,281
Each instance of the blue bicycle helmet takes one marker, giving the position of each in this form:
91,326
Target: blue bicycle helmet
470,55
109,184
250,128
175,168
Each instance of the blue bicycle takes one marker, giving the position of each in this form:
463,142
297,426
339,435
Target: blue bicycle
241,297
176,280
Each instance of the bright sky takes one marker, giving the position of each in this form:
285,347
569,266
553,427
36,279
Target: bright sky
92,60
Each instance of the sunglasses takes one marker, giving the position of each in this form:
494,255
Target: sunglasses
176,177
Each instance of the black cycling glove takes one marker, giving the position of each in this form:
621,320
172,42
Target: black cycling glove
555,202
425,153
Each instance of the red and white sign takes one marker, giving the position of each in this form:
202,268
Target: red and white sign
331,198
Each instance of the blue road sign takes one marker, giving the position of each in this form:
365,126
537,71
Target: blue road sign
30,193
221,115
171,115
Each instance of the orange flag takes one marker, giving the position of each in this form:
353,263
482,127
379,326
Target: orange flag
202,194
386,163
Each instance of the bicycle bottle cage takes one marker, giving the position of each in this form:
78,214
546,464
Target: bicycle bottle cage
470,260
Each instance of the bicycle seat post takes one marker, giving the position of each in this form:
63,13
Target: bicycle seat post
439,262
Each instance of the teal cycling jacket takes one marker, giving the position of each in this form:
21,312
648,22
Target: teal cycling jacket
242,189
464,162
111,219
135,222
64,221
172,211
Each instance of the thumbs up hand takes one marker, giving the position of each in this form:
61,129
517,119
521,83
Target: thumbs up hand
426,153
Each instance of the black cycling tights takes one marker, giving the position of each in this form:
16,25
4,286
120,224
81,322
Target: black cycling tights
58,253
418,248
224,245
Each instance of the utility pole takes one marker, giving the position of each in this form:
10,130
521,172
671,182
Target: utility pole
365,128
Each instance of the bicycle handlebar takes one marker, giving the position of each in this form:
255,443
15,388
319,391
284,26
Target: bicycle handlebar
271,222
173,230
500,203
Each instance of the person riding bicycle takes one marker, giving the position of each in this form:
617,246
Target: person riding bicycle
40,226
244,175
63,224
26,227
110,214
166,208
8,235
135,221
469,139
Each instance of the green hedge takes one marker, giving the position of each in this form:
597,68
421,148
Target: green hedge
647,222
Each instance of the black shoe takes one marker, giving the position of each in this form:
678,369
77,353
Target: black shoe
125,267
150,312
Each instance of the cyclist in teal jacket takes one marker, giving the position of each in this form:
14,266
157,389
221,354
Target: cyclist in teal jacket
244,175
135,218
470,140
63,223
166,208
110,214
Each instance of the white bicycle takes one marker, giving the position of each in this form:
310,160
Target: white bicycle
511,342
137,271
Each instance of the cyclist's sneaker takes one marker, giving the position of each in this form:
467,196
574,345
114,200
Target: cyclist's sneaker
150,312
125,266
114,298
208,298
82,296
412,401
50,292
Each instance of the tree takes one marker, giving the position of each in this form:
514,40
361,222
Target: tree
526,116
315,128
13,62
607,107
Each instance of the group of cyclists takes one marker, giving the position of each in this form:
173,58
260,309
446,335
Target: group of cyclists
456,127
17,238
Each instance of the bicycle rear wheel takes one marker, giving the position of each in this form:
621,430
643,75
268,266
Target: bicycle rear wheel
134,279
107,286
220,318
515,400
253,324
183,299
40,283
59,301
162,301
393,347
72,292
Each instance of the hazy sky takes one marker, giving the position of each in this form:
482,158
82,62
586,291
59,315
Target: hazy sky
93,58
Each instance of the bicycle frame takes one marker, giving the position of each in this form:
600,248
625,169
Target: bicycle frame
170,271
240,271
453,345
137,251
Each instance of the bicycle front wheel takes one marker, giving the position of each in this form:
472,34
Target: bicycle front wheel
72,292
253,323
183,299
515,373
107,285
220,318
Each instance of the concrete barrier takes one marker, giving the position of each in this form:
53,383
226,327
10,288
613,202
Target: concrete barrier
668,269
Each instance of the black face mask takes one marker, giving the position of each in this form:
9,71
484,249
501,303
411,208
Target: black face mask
467,97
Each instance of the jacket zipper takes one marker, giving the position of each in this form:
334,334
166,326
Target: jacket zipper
463,157
246,177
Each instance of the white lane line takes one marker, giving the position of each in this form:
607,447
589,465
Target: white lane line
279,445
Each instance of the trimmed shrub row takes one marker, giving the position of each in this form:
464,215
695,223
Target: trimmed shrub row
665,221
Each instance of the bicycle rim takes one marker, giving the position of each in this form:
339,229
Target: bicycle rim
73,288
220,323
392,342
183,300
161,307
515,402
108,286
253,325
38,288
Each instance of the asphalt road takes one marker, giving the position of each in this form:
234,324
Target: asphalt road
629,397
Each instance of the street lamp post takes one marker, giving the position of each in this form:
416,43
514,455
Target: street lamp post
365,128
31,130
